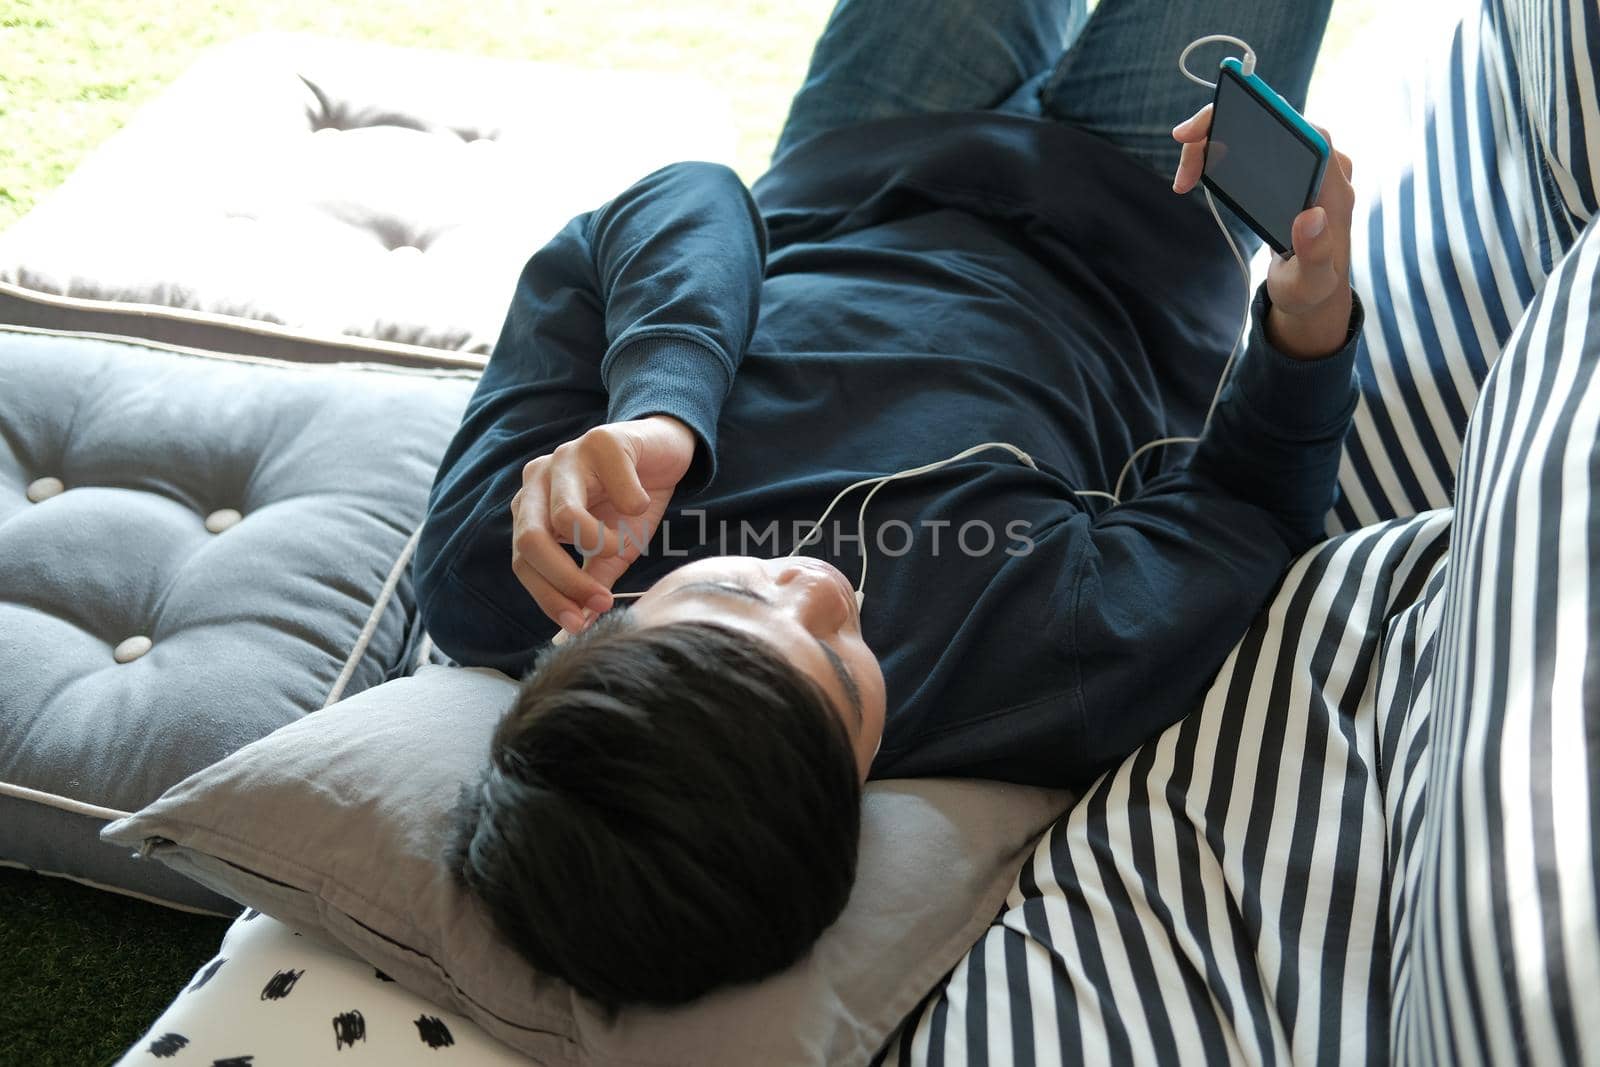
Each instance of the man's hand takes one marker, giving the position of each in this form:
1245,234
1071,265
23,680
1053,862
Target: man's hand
604,493
1311,301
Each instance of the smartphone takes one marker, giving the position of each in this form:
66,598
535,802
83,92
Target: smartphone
1263,159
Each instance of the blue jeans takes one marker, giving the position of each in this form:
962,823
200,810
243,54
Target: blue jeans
1113,73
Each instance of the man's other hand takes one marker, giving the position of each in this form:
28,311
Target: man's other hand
1311,301
604,493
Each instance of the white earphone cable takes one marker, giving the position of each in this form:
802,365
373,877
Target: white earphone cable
885,479
912,472
1248,62
1227,367
878,481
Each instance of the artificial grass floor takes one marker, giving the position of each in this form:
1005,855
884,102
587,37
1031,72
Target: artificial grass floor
85,972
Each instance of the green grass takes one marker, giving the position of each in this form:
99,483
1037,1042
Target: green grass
86,972
71,73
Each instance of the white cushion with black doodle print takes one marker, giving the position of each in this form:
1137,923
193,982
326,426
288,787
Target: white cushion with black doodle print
275,996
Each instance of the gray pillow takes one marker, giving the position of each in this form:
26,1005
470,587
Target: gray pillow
336,824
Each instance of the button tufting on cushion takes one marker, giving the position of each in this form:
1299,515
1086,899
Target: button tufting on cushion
258,626
220,520
44,489
131,649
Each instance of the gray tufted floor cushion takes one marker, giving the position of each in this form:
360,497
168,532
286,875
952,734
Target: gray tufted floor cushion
301,197
194,550
290,197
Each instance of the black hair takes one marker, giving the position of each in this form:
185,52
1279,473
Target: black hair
667,809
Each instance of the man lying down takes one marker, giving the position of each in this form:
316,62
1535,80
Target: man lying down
984,248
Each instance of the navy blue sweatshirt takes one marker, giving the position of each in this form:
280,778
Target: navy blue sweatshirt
888,295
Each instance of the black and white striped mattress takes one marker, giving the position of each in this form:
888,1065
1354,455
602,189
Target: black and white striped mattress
1379,838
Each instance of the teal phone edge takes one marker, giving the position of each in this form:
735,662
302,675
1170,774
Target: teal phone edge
1297,125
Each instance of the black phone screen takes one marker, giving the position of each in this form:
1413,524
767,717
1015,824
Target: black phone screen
1257,164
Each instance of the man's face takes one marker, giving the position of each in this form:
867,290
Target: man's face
803,608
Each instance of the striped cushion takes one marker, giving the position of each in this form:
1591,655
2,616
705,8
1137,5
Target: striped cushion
1500,179
1377,839
1221,894
1495,827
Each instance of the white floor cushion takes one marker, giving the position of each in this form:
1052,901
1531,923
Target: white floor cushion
303,197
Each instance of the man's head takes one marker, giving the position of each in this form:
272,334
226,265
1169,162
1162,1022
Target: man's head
804,609
673,801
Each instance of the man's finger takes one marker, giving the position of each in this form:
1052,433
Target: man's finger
1190,166
535,489
1196,127
1346,167
562,610
607,569
534,545
570,518
536,548
1339,159
1313,273
1338,196
620,478
1310,233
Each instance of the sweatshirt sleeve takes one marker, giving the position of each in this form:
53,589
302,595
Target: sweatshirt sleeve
679,259
644,306
1143,602
1279,428
1166,584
